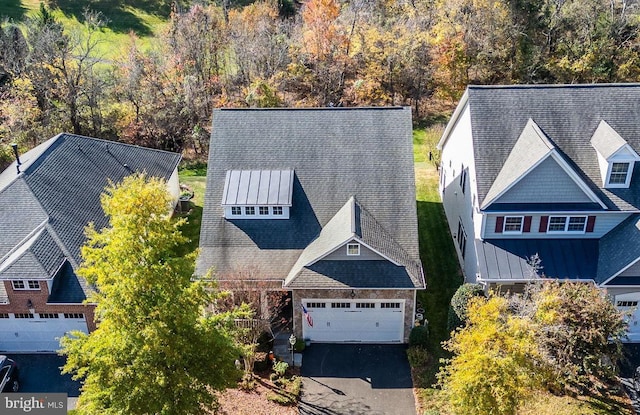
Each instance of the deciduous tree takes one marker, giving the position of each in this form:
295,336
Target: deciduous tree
154,350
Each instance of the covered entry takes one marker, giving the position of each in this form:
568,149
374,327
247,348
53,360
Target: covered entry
351,321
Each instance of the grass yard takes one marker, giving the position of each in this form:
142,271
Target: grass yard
194,176
143,18
443,277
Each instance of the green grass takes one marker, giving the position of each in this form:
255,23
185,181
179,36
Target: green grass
143,18
195,178
425,142
439,260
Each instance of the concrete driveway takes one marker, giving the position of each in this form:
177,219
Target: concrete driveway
356,379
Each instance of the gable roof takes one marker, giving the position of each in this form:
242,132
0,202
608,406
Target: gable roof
606,140
532,148
46,206
354,223
612,259
568,114
336,153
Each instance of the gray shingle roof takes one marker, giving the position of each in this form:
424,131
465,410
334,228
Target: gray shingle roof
60,185
336,153
330,274
606,140
569,115
531,148
353,222
39,257
613,258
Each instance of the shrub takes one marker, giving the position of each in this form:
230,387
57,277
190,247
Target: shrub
418,356
280,368
459,302
419,336
289,392
299,346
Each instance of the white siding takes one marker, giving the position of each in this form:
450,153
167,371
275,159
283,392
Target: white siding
547,183
604,224
458,152
173,185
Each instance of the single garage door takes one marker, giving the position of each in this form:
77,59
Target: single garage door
350,321
28,332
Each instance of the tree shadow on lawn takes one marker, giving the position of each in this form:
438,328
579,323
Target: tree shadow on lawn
118,13
12,9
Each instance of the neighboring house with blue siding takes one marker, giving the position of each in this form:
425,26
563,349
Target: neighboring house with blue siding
549,171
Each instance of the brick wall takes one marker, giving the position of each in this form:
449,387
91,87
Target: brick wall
18,303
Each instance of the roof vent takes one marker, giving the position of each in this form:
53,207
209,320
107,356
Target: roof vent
15,151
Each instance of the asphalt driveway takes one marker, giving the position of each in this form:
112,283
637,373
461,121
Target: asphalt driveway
41,373
356,379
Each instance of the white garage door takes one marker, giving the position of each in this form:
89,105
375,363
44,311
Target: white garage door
629,304
349,321
37,332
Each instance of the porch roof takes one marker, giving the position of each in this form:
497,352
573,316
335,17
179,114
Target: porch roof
508,259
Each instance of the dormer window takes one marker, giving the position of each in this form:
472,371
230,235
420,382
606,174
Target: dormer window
353,249
257,194
619,174
616,157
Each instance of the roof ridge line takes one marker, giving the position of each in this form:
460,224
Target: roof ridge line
24,240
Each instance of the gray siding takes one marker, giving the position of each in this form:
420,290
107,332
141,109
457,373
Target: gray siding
547,183
632,271
604,223
340,254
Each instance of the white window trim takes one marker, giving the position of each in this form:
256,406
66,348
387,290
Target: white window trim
353,244
567,219
26,285
628,178
504,225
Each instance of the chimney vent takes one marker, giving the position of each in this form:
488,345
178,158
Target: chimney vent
15,151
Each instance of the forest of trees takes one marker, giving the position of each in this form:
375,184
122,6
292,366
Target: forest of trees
418,53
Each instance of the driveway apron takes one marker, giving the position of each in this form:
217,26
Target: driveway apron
356,379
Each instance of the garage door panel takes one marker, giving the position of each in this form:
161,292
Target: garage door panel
37,334
373,324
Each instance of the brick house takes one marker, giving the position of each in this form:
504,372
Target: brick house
47,198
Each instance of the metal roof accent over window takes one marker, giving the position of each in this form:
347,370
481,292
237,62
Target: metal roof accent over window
258,187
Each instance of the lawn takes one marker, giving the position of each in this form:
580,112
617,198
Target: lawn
443,277
143,18
194,176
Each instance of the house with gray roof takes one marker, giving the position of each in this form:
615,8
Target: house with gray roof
47,198
321,203
542,181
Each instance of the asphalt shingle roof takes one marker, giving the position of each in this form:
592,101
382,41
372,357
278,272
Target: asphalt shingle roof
569,115
60,185
336,153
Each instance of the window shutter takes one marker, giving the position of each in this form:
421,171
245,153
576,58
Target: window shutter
591,222
543,224
499,224
527,224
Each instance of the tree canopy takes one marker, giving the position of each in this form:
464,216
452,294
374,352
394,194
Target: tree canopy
563,336
155,350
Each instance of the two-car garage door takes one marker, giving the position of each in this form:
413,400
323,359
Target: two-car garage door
348,321
28,332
